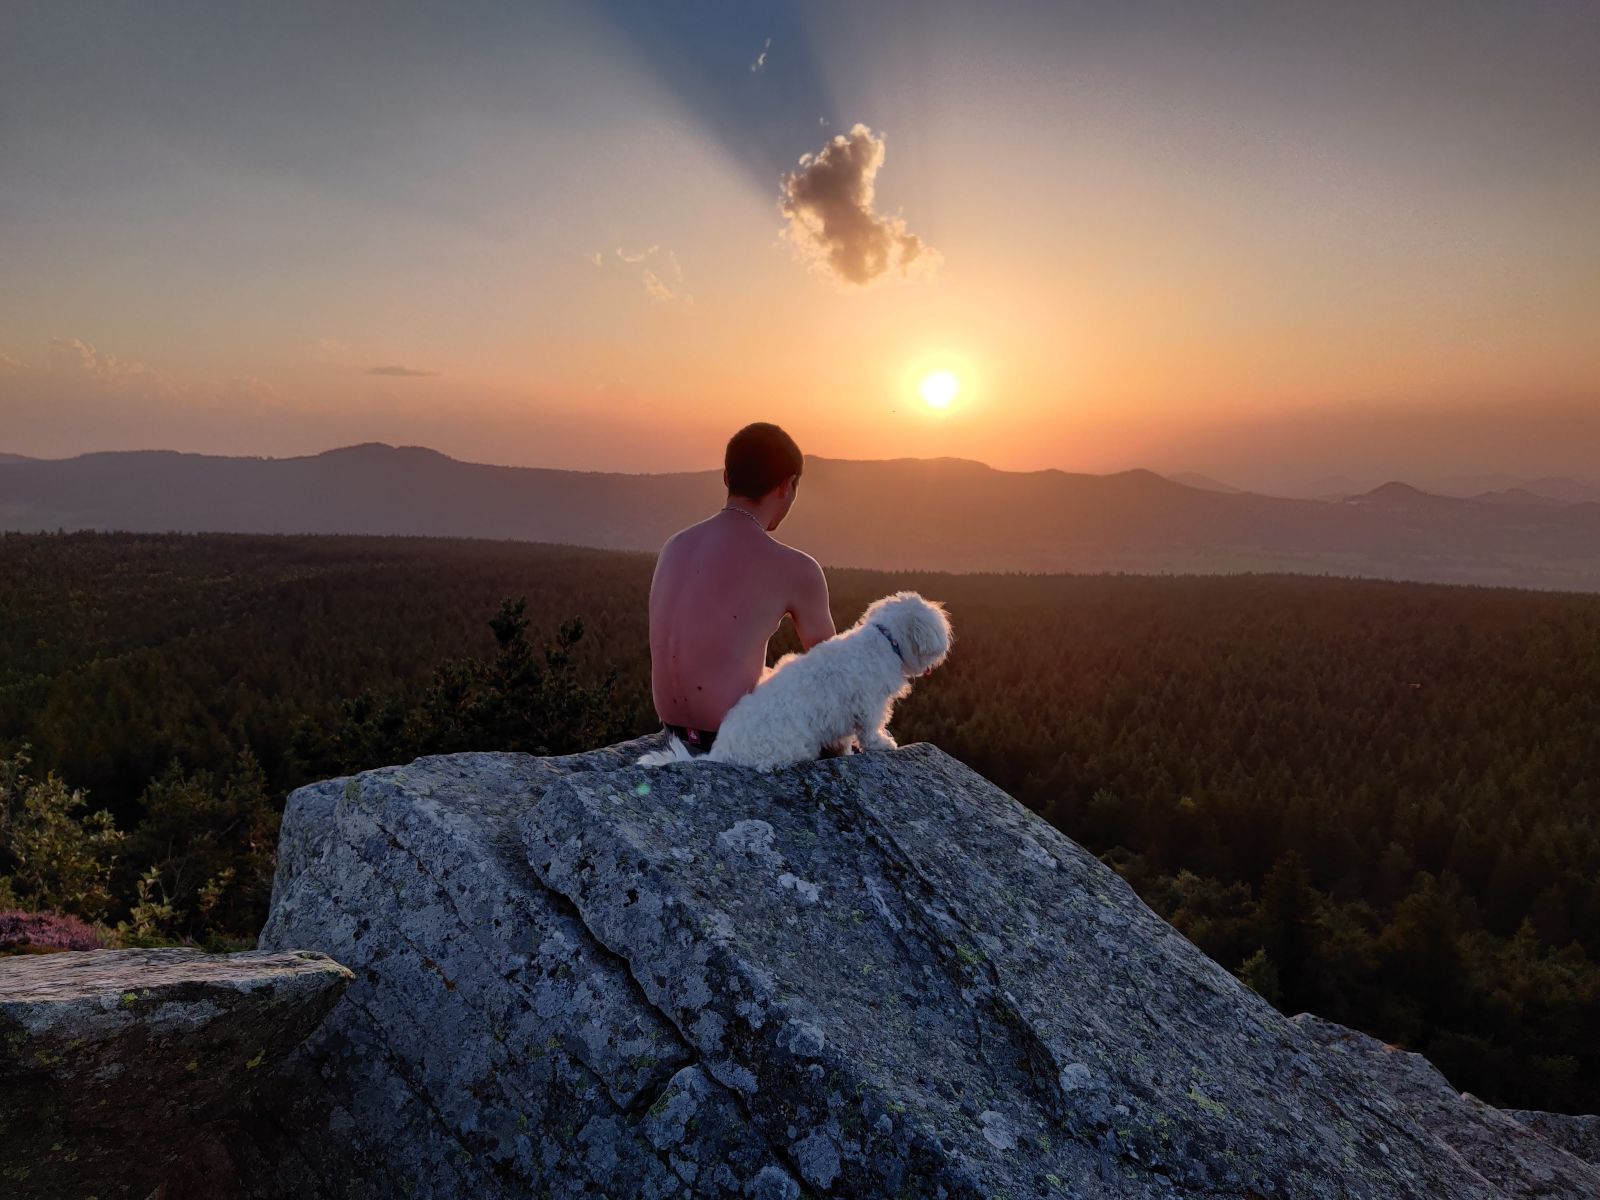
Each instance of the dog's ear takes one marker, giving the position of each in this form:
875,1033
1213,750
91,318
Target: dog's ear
883,608
927,632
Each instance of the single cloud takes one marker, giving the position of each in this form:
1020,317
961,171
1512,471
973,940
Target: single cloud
655,288
401,372
761,59
7,363
77,359
660,272
829,205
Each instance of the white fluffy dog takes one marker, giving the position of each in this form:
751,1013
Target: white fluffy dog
843,689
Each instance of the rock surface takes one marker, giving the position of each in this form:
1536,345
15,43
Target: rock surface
1517,1157
873,976
118,1066
1579,1136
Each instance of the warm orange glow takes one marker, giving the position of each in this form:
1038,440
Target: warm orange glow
939,389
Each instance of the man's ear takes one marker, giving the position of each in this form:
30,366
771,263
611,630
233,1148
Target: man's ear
724,477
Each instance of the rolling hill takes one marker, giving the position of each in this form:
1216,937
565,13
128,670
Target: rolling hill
940,514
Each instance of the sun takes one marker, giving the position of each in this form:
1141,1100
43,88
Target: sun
939,389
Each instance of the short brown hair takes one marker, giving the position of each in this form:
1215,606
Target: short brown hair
759,458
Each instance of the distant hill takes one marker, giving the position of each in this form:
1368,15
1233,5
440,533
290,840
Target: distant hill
1572,491
14,458
1329,487
1204,482
1515,495
1547,487
1400,495
939,514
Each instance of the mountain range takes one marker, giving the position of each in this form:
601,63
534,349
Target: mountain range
938,514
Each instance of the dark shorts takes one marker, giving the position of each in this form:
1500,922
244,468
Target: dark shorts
695,741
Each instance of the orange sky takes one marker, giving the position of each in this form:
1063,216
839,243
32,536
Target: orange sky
1255,244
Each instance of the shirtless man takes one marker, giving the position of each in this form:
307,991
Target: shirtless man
722,588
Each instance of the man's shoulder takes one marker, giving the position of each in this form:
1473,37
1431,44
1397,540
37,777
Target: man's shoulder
796,558
686,536
798,567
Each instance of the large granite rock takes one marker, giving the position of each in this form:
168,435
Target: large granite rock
122,1070
873,976
489,1045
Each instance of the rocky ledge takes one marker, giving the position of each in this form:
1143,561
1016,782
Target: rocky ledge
874,976
122,1070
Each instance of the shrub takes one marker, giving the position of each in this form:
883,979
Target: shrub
44,933
52,854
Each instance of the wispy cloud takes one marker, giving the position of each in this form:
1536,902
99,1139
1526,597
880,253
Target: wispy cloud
656,289
831,222
660,272
401,372
7,363
761,59
75,358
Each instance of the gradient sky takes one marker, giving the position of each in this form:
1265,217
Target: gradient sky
1266,241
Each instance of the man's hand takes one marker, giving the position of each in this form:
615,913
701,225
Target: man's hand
813,619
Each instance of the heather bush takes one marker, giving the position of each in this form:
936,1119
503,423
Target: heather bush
43,933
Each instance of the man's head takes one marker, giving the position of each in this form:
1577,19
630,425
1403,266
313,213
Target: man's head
762,467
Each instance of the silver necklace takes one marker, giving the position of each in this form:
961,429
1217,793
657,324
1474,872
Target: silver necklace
746,512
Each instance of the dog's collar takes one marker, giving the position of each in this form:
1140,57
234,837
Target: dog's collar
893,645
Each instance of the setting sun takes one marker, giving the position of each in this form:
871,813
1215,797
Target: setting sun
939,389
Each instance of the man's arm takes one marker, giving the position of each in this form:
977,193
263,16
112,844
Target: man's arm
813,619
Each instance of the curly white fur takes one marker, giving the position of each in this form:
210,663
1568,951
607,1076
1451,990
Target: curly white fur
842,690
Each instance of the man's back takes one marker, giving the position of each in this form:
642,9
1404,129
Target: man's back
720,591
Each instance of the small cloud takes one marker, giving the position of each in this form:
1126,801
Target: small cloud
829,205
401,372
596,259
655,288
761,59
77,358
329,348
7,363
660,272
823,121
